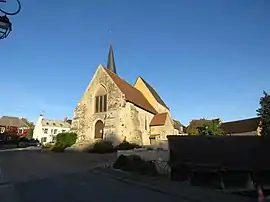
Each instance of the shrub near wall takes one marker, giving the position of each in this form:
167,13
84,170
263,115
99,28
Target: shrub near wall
127,146
64,140
102,147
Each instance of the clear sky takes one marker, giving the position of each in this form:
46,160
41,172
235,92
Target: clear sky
205,58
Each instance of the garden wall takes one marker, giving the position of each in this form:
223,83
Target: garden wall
232,152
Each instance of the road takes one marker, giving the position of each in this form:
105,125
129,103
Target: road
30,176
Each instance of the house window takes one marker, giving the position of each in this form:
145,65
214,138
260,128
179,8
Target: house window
145,124
63,131
101,103
43,139
53,139
46,131
2,129
55,131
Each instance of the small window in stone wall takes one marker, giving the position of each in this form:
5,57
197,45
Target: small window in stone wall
145,124
101,103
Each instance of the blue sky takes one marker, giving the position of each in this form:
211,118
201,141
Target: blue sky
205,58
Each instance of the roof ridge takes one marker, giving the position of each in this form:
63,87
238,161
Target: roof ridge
154,92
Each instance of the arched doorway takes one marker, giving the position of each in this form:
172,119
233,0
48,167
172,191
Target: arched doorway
99,128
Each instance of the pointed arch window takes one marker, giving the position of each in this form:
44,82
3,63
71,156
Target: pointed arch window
101,100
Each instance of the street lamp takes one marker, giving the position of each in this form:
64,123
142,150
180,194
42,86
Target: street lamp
5,24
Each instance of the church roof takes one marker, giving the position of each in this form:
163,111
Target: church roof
154,93
132,94
159,119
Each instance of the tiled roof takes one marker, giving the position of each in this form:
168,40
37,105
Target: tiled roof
12,121
198,123
132,94
241,126
159,119
55,123
155,94
177,125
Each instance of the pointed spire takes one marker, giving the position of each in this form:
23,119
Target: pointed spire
111,64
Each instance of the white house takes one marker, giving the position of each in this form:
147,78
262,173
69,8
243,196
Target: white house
46,130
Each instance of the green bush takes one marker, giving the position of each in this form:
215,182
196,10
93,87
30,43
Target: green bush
48,146
127,146
102,147
58,148
65,139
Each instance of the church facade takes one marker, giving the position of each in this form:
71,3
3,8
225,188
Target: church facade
115,110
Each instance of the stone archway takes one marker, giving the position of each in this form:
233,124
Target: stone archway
99,129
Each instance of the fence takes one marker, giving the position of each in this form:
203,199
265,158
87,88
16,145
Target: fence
220,157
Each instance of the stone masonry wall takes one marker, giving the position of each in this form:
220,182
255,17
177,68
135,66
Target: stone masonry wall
134,124
163,131
123,120
84,116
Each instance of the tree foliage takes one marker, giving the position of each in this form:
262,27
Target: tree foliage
65,139
264,113
205,127
31,127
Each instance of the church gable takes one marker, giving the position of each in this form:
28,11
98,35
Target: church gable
102,84
151,94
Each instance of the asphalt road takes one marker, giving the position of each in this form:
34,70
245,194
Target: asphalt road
30,176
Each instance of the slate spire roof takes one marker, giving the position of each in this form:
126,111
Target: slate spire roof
111,63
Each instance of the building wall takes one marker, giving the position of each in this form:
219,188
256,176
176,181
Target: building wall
253,133
163,131
134,124
148,95
39,131
85,117
123,120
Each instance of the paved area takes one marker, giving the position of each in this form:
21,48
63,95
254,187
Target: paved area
30,176
24,165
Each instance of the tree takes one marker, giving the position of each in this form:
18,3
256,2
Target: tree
194,127
213,128
31,127
264,113
205,127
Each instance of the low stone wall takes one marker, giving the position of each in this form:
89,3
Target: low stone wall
161,144
159,157
148,155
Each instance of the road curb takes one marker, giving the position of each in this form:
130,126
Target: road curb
185,193
140,184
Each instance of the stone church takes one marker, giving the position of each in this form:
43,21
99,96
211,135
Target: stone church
113,109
